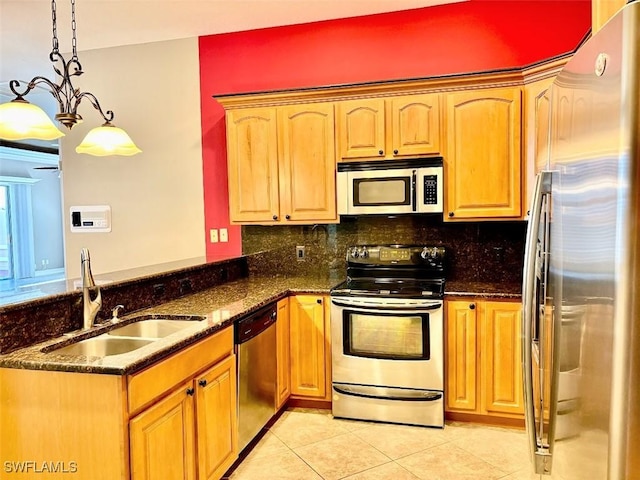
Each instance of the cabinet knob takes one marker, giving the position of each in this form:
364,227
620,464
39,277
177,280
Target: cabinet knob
275,217
395,152
288,217
319,301
472,306
202,383
451,214
190,391
380,152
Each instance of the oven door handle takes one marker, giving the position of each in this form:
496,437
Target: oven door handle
423,397
414,186
392,308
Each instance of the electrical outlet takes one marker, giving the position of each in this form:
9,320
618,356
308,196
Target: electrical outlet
213,235
300,253
224,235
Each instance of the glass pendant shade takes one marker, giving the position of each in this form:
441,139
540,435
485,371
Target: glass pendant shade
107,140
21,120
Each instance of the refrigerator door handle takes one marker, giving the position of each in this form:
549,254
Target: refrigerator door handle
540,455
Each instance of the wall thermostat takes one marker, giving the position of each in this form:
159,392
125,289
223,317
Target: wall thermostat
91,219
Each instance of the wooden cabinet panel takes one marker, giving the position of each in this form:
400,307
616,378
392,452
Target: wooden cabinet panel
461,385
502,357
602,11
536,130
252,150
483,158
216,419
283,354
383,129
162,439
361,128
415,125
484,358
308,346
307,162
281,164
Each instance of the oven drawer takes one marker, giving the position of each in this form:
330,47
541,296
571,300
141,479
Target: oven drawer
395,405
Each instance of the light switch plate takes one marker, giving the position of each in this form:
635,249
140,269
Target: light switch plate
224,235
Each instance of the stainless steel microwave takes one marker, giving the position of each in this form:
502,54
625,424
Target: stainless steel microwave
390,187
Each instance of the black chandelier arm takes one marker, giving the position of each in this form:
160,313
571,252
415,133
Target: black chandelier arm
108,116
53,88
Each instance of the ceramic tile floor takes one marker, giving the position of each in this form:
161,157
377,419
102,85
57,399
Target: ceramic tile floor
308,444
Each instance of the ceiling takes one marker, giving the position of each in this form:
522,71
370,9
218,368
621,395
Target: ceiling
25,25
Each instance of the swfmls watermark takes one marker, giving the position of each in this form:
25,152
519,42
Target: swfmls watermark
36,467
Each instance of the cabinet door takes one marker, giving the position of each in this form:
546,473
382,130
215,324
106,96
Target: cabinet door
415,125
462,367
252,158
483,159
308,348
283,353
361,127
216,419
501,357
307,162
162,439
536,128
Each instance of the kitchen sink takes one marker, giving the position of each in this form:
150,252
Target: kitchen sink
103,346
152,328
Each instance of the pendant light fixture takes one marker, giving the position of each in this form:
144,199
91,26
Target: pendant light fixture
20,120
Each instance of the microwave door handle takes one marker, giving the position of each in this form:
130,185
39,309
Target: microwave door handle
414,185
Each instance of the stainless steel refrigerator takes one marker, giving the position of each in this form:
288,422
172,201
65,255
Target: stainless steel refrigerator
581,288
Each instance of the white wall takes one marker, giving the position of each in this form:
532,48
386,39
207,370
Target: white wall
156,197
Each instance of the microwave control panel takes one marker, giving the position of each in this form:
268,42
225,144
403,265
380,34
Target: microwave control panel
430,189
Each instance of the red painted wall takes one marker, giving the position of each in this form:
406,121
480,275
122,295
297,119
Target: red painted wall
471,36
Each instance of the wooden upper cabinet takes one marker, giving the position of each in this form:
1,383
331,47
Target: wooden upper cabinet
602,11
396,127
415,125
281,164
483,155
307,162
252,153
361,125
536,133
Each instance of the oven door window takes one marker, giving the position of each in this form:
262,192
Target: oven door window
371,192
386,336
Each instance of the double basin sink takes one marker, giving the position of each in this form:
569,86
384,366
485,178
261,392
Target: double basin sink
124,339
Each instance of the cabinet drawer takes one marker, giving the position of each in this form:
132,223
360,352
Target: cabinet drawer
152,382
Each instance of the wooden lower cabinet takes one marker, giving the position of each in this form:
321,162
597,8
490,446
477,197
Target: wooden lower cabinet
484,358
310,336
175,419
283,354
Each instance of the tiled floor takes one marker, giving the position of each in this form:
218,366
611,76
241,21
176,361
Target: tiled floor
310,444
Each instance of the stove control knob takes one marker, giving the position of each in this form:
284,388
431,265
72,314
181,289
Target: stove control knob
365,253
355,253
425,253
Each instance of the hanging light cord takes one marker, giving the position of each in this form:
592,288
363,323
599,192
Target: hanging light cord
67,96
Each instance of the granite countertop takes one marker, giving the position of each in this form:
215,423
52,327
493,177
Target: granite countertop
512,291
218,307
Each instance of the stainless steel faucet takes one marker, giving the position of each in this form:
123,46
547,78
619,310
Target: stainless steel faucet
90,307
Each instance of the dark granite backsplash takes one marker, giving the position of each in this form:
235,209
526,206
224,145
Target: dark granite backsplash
35,321
477,251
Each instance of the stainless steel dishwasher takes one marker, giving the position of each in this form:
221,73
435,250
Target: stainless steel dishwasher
255,344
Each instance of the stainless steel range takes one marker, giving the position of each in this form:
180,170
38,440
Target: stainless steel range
387,335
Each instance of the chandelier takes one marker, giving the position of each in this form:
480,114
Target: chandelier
21,120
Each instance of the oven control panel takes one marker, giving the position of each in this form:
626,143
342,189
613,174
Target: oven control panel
396,255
